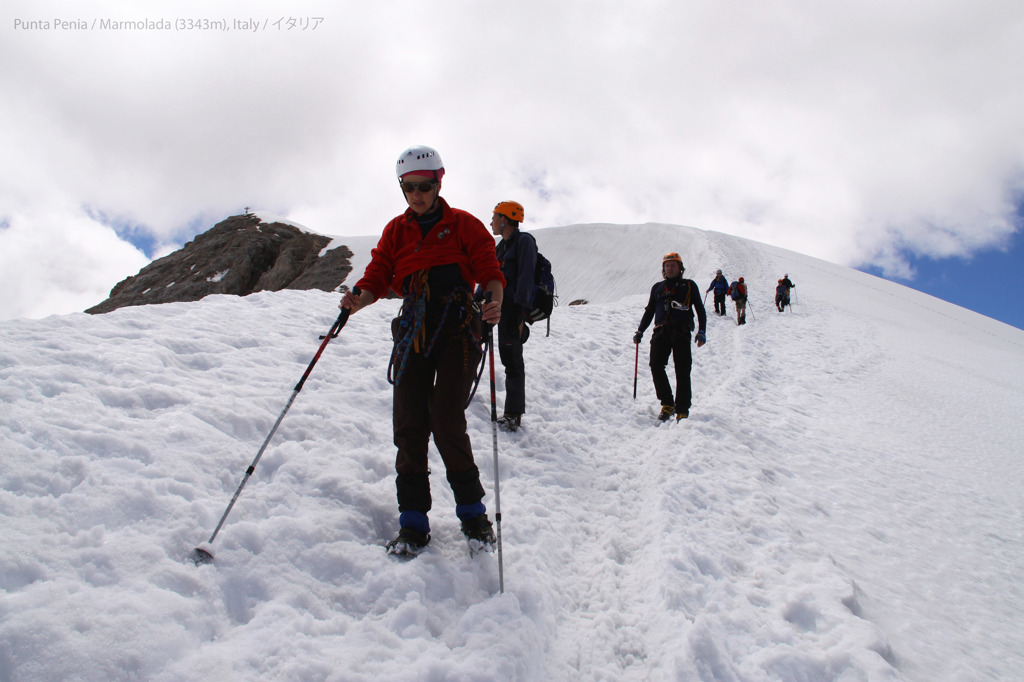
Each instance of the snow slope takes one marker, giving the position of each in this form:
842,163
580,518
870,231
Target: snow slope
843,504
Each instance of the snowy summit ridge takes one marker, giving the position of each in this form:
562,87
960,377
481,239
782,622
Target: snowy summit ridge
842,504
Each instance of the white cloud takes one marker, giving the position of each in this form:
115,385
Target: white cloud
847,131
54,262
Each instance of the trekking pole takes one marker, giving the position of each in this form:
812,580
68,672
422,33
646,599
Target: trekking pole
205,556
494,440
636,366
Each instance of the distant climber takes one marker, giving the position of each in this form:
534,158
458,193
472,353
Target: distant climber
720,285
671,306
738,292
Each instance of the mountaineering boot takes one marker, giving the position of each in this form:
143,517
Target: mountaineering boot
682,415
666,412
510,422
479,533
409,543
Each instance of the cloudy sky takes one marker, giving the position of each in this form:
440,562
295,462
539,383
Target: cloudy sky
870,133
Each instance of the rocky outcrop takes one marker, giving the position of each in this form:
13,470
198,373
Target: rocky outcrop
239,256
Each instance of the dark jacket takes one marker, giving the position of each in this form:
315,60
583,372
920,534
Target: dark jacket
517,256
720,284
659,307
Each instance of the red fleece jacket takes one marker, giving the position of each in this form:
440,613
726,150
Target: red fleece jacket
457,238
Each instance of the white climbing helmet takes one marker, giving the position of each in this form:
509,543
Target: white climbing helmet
421,160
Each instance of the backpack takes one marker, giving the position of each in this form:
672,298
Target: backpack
737,291
544,298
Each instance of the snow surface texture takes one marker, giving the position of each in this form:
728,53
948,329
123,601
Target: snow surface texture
844,502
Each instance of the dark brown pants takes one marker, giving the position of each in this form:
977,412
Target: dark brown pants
430,399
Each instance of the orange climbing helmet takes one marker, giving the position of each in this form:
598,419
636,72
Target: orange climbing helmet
512,210
672,256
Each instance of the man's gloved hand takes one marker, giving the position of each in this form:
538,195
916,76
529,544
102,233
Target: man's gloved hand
637,337
701,339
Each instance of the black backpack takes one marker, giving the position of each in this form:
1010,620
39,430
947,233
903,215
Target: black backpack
544,298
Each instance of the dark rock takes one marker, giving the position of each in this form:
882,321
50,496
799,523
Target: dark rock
237,256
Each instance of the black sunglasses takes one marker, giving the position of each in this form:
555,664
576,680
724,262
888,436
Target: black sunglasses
410,187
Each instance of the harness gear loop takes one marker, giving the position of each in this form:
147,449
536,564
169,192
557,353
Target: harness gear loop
411,331
412,325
